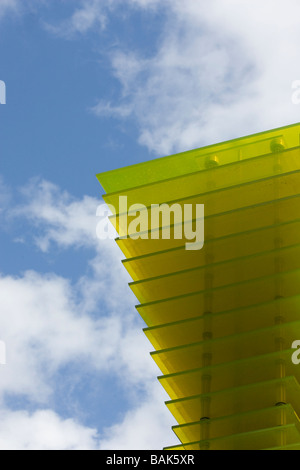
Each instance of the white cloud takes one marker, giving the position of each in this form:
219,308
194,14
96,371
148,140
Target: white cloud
222,69
58,312
7,6
44,430
94,15
90,14
48,323
43,331
18,7
143,427
61,218
107,109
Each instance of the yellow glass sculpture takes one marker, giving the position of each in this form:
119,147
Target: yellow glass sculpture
222,319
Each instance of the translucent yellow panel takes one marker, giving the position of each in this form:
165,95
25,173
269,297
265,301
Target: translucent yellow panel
221,299
187,162
222,324
236,400
226,199
171,236
226,248
235,424
255,440
204,182
207,182
212,352
231,374
287,447
215,275
222,225
222,318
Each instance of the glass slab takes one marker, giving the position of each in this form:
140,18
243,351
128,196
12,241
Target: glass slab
218,274
193,160
187,162
217,226
221,299
216,202
214,251
225,323
236,400
231,374
255,440
236,424
226,349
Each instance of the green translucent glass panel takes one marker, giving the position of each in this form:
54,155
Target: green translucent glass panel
230,222
223,249
221,319
254,440
223,324
238,423
228,375
237,193
218,274
226,348
188,162
236,400
220,299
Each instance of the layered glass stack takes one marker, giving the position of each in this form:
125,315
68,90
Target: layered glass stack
222,319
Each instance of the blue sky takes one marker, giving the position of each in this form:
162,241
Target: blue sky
93,85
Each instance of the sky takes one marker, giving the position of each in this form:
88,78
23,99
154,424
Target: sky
93,85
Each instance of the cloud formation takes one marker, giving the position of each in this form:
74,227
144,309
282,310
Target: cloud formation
7,6
221,70
44,430
50,324
94,15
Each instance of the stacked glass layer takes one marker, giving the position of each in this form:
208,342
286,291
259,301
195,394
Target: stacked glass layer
222,319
